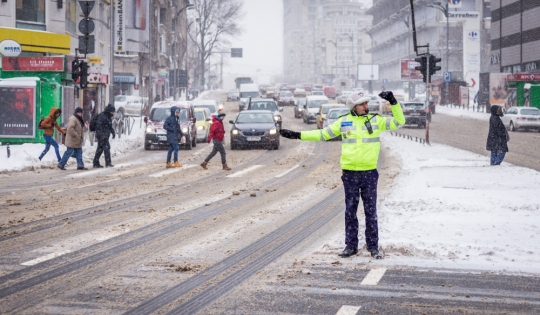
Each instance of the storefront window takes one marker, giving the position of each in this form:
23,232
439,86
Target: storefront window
30,14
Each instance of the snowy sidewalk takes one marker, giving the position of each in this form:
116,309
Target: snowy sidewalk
449,208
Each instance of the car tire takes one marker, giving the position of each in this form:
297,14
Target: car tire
512,128
233,146
194,142
189,143
147,147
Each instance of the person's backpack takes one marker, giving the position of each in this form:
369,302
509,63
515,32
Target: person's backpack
93,123
39,126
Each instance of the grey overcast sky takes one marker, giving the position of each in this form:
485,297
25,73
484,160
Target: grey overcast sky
262,42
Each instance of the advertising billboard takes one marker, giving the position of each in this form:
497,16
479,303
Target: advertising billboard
408,72
368,72
498,88
136,27
17,111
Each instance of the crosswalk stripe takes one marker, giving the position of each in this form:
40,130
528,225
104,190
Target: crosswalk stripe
249,169
373,277
348,310
285,173
45,258
172,170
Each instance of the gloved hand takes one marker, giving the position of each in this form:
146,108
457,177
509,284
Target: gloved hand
289,134
389,96
113,135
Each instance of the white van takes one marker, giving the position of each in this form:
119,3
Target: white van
247,90
129,105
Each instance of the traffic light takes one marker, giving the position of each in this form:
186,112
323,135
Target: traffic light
433,65
182,78
422,67
75,70
84,74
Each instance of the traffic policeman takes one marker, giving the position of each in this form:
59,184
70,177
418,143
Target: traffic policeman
360,148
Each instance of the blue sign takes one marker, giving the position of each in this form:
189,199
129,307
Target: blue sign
447,77
384,81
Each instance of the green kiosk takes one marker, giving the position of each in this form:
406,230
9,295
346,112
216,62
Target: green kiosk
524,90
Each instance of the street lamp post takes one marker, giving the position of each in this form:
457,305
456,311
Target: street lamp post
175,72
335,54
444,9
351,37
406,21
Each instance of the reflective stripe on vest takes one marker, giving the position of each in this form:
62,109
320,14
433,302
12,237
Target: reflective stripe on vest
348,140
366,140
330,133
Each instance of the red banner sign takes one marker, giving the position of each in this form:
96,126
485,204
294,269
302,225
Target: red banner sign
408,72
523,77
33,64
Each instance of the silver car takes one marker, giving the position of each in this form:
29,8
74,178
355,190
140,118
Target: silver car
342,99
333,115
521,118
374,105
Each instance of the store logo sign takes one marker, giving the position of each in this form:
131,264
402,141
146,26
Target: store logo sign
10,48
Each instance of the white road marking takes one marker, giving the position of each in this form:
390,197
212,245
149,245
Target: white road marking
173,170
285,173
45,258
249,169
348,310
374,276
77,187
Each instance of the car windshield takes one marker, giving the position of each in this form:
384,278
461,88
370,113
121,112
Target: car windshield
327,108
345,93
334,114
316,103
211,108
233,91
530,111
199,116
160,114
247,118
287,94
414,106
271,106
119,98
249,94
317,93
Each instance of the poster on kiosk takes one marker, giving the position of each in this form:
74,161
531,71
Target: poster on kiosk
18,108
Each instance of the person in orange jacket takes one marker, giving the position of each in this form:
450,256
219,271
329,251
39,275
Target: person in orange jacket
48,124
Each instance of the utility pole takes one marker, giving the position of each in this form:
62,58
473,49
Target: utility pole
111,56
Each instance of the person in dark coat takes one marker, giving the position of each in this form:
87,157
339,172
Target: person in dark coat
173,133
497,137
104,130
217,134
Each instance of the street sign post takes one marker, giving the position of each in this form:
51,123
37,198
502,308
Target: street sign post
87,26
236,52
447,77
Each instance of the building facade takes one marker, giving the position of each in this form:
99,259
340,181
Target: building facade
515,36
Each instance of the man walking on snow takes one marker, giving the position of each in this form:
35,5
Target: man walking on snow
360,148
174,132
104,130
217,134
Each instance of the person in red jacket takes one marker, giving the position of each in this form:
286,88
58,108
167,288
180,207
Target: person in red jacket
217,133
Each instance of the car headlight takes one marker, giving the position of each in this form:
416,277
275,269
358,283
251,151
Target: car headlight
148,130
184,130
272,131
200,127
235,132
277,118
300,109
220,107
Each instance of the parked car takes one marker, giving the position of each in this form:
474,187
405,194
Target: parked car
299,107
343,97
254,128
299,92
265,104
386,109
333,115
233,95
285,98
203,123
330,92
212,105
422,99
129,105
374,104
311,108
156,137
415,113
525,118
323,110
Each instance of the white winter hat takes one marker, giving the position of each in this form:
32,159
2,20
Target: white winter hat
356,98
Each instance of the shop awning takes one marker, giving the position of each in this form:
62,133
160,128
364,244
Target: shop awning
38,41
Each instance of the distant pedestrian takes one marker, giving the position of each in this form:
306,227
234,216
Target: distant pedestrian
74,140
497,137
49,123
104,130
217,135
174,132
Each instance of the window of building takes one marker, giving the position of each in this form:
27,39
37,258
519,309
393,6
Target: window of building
162,15
30,14
71,15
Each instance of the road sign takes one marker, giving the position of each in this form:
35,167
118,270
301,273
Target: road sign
87,7
86,44
236,52
384,81
447,77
